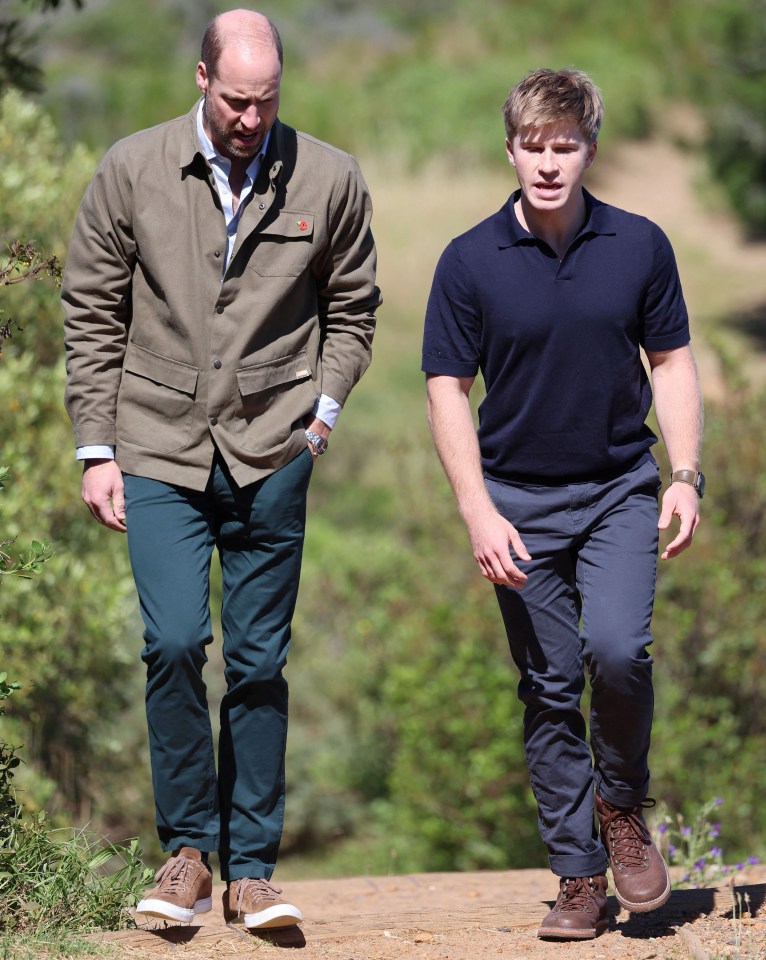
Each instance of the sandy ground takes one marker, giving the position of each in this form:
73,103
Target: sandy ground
450,916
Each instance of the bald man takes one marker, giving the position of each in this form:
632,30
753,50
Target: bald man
220,306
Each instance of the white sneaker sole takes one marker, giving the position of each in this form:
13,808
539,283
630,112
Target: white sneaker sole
284,915
168,911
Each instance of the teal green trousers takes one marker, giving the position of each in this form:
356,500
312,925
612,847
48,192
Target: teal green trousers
238,808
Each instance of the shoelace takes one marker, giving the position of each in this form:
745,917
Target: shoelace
576,894
627,833
261,890
173,876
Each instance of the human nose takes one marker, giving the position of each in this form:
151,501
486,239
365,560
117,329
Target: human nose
548,162
250,118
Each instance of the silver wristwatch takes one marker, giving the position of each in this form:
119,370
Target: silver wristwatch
692,477
319,444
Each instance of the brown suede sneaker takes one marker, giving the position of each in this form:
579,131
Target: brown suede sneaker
580,910
641,878
257,904
184,887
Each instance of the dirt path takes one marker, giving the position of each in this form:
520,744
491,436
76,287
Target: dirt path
466,916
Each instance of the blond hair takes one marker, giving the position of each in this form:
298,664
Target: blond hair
547,96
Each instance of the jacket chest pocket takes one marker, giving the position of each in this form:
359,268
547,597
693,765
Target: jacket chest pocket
282,248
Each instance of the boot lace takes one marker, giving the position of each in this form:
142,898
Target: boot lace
576,894
627,833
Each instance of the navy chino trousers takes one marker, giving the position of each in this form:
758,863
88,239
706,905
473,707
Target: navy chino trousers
587,606
258,531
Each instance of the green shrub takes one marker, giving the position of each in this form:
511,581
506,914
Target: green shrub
57,880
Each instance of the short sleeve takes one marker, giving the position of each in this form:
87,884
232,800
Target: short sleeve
665,317
453,327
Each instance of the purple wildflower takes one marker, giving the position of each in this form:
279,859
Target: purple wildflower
753,860
715,831
718,801
715,851
672,849
663,828
685,831
700,864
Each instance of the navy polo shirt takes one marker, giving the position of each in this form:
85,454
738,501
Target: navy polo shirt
557,342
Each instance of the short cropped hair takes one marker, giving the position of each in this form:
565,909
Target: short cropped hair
547,96
213,43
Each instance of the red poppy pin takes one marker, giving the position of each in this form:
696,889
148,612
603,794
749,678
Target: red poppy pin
302,225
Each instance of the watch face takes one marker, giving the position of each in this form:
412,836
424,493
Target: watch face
700,485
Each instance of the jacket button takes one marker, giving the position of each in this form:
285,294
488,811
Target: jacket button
217,364
213,421
217,254
219,309
261,206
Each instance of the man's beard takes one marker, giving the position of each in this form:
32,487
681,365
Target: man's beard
222,137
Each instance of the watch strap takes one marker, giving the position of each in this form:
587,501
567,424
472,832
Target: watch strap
693,477
317,442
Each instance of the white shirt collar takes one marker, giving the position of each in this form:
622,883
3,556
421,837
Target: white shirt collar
210,153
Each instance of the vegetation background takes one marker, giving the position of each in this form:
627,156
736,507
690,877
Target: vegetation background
405,746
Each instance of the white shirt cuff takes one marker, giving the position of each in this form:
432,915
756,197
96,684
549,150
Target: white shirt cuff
95,452
327,410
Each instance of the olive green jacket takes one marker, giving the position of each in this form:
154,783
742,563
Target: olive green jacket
163,357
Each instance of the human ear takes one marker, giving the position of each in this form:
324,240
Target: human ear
201,77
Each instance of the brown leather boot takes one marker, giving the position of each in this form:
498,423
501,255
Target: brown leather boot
641,878
580,910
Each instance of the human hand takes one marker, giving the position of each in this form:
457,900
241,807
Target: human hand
491,537
103,493
680,500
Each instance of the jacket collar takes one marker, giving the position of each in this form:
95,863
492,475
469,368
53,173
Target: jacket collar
190,148
275,152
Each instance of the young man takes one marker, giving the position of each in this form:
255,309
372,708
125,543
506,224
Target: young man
220,299
551,299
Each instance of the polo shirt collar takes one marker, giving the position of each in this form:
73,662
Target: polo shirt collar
601,219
